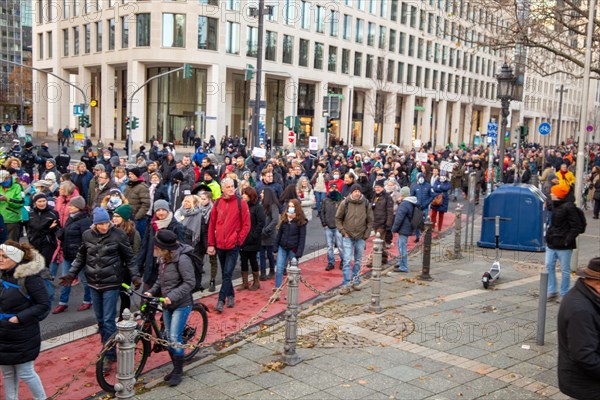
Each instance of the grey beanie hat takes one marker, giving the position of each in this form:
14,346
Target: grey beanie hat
161,204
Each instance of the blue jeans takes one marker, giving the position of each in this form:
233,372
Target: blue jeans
403,253
266,252
227,259
564,257
140,226
352,246
283,256
26,372
319,196
65,292
105,307
175,321
334,237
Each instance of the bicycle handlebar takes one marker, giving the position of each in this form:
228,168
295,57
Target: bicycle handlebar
143,296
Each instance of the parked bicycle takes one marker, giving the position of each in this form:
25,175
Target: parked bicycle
194,334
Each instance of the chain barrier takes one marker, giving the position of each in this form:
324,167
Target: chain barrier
312,288
65,386
274,297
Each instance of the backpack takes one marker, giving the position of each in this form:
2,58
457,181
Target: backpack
416,220
198,264
582,221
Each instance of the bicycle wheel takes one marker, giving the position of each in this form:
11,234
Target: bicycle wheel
107,380
195,329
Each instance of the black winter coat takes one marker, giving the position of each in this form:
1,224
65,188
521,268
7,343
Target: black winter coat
257,223
383,210
71,235
562,232
269,232
329,208
146,261
579,343
103,259
40,235
20,342
176,279
291,236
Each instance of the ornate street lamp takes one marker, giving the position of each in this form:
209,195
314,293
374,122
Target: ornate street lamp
506,86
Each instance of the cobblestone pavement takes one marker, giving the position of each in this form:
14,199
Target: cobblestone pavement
444,339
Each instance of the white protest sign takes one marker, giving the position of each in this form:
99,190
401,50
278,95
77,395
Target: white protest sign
259,152
313,143
421,157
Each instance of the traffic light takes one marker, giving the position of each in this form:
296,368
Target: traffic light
84,121
249,72
134,122
297,125
127,123
524,132
187,71
81,121
329,123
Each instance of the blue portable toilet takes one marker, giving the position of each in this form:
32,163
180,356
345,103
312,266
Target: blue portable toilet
525,206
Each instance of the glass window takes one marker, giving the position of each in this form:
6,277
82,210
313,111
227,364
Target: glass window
380,66
76,40
382,37
372,6
360,4
99,36
289,12
66,42
411,46
347,26
232,45
111,34
275,10
124,32
413,16
394,10
392,41
209,2
318,62
88,38
345,61
251,41
371,34
334,23
320,19
404,13
143,30
208,29
271,46
332,59
428,52
400,73
357,63
430,23
288,49
383,9
390,70
173,30
409,74
49,39
422,20
402,44
420,49
304,47
66,9
359,30
232,4
418,77
436,53
369,67
305,16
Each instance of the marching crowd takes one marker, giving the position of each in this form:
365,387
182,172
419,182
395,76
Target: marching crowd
105,221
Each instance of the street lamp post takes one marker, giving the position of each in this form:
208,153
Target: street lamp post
562,90
506,85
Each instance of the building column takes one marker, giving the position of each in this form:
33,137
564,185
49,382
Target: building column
84,77
390,118
39,99
408,116
441,124
455,124
345,115
136,76
215,116
467,131
486,119
107,105
426,120
369,119
319,121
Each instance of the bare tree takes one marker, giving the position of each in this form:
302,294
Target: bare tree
381,107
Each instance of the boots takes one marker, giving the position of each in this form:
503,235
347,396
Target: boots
177,374
255,281
271,273
244,281
167,377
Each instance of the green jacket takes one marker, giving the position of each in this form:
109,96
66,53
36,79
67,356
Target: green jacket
354,218
10,208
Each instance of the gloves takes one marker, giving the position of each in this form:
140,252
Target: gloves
137,282
65,281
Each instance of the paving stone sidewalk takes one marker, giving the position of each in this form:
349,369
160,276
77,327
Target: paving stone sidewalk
444,339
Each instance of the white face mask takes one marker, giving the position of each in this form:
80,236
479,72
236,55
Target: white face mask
442,179
421,180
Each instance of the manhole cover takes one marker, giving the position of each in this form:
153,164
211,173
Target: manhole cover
330,337
392,324
335,310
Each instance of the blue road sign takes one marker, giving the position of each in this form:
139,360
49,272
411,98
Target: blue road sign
78,109
545,128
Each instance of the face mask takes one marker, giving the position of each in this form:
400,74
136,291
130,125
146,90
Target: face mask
336,177
421,180
107,158
443,179
291,210
115,201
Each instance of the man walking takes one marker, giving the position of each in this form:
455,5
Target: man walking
229,224
383,214
328,213
354,220
403,225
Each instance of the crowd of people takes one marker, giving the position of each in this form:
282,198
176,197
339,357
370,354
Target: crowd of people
103,221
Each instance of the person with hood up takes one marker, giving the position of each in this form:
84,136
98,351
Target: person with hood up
402,225
11,202
209,182
138,195
424,194
113,200
50,168
43,155
354,221
440,186
179,189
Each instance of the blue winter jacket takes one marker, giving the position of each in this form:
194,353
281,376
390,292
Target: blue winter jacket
443,188
403,217
423,193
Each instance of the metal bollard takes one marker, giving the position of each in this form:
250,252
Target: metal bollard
290,357
541,318
376,276
426,254
126,334
457,231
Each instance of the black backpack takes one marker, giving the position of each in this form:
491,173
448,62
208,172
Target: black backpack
416,220
198,264
582,221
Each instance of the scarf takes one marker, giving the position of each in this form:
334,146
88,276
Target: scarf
205,210
191,219
159,224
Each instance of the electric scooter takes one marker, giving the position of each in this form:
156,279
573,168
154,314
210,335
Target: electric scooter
494,273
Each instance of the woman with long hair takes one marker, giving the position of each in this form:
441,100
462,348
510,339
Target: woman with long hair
289,193
291,237
307,196
271,208
251,244
206,204
20,338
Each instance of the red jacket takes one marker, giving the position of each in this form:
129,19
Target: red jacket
233,224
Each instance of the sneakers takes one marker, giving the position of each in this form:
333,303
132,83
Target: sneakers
60,308
355,287
344,290
417,240
230,301
211,286
552,297
336,250
219,307
75,281
264,276
559,299
84,306
399,270
329,267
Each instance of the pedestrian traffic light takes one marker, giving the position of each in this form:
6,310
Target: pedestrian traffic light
127,123
249,72
134,123
81,121
187,71
524,132
84,121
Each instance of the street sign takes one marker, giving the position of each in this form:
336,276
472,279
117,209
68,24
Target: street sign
492,130
507,136
545,128
589,128
291,137
78,109
313,143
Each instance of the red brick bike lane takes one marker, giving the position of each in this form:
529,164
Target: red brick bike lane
59,365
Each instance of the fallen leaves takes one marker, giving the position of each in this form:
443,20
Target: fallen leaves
273,366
